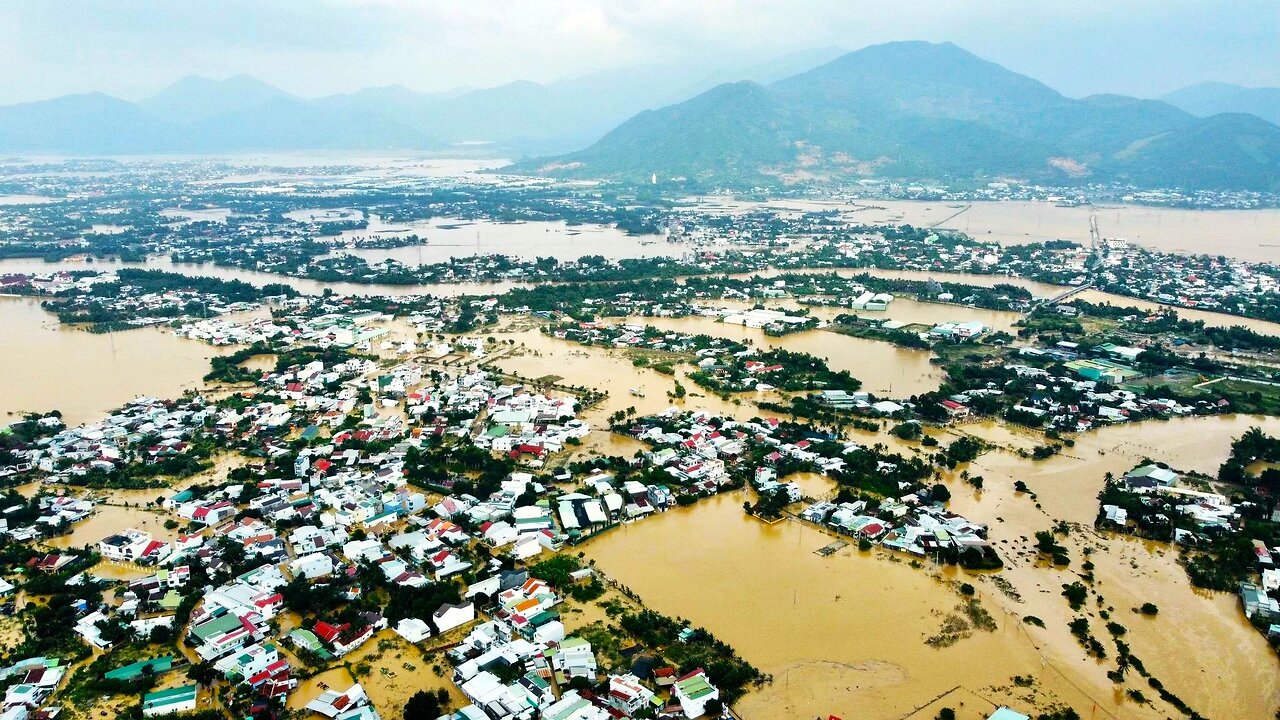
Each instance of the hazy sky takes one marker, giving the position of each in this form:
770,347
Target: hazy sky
132,48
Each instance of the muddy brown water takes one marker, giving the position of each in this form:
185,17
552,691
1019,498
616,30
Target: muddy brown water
47,366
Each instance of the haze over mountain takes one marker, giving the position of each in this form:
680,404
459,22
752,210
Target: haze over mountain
198,114
916,109
196,98
903,109
1218,97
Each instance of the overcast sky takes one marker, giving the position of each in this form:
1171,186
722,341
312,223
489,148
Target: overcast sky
131,48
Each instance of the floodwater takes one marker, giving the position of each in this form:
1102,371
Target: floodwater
1211,319
1252,235
47,366
1242,683
108,519
1045,290
840,635
313,287
1244,234
539,356
182,216
27,199
1036,288
256,278
883,368
447,238
844,634
903,309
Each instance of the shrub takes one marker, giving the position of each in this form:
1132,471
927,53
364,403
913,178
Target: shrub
1075,593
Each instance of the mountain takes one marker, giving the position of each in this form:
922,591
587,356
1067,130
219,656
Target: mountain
518,119
99,124
76,124
916,109
195,98
1235,150
1211,98
288,124
524,117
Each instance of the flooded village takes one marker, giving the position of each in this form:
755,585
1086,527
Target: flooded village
500,449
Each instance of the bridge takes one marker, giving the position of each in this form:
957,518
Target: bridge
1095,259
1068,294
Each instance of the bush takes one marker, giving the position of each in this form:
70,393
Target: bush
966,589
907,431
1149,609
1075,593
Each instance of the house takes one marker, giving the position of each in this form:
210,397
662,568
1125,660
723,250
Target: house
333,704
572,706
413,630
574,658
448,617
1116,514
133,546
1156,475
248,662
168,702
133,671
1257,602
694,691
627,695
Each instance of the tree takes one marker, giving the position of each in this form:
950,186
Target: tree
423,705
908,430
202,674
939,493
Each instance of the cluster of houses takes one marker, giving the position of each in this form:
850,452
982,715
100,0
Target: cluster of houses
54,512
28,684
909,524
1156,501
49,283
1089,406
145,430
343,330
138,306
508,667
327,497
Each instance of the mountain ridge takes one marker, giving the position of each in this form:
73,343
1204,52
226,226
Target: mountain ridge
917,109
516,119
1211,98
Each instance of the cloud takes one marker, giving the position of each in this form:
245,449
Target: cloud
315,47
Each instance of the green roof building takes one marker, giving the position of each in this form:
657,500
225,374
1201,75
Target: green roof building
167,702
133,671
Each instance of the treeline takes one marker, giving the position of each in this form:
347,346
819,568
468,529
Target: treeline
1164,320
